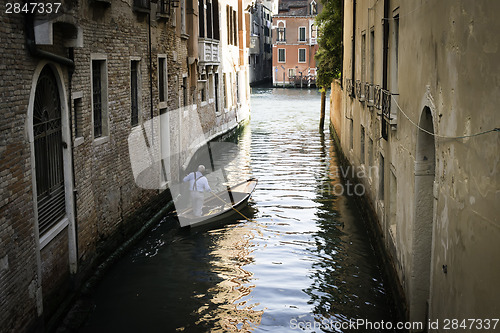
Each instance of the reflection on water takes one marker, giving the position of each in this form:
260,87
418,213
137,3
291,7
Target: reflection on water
304,257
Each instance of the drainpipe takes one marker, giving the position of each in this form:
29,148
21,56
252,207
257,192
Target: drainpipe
150,67
386,44
385,134
71,70
353,69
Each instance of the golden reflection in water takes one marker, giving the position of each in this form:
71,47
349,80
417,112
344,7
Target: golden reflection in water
227,311
229,308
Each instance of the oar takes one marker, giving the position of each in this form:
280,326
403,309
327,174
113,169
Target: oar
237,211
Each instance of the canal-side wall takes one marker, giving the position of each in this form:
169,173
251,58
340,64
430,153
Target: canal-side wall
365,205
414,119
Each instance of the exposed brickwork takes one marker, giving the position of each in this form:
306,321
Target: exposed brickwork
109,205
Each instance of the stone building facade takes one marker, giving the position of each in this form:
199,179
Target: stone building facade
415,116
261,56
76,84
295,43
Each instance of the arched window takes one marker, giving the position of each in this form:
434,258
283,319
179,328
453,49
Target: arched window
47,131
281,32
314,8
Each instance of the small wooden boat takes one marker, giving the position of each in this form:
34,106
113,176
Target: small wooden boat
220,205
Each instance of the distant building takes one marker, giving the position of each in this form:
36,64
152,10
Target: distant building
295,43
416,116
74,87
261,56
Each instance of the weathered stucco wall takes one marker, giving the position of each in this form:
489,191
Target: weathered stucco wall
435,196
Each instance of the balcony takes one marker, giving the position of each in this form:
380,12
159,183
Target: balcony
208,51
349,88
360,91
369,94
378,97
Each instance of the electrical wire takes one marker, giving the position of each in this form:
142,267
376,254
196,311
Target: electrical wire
442,136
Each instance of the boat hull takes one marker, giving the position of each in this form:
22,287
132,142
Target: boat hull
241,193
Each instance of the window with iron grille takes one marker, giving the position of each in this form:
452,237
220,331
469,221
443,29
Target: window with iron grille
47,131
281,55
302,55
99,98
302,34
134,92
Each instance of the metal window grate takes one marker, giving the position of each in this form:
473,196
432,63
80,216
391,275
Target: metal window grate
134,92
47,129
97,97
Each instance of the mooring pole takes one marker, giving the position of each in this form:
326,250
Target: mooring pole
322,116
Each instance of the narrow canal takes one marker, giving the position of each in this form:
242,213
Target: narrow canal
304,257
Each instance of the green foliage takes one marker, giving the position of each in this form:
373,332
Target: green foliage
329,55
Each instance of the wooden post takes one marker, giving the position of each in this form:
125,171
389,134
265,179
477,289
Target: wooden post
322,116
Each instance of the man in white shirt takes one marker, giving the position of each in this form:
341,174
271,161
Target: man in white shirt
197,185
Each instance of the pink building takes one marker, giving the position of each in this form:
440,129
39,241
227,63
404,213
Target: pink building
295,43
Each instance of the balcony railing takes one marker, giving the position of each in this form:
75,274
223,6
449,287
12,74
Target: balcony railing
386,104
208,50
349,87
359,91
378,97
369,94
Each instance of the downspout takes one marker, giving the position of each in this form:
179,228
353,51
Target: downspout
71,70
386,44
353,69
150,69
385,133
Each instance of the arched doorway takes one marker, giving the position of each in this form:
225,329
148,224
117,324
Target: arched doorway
48,146
425,165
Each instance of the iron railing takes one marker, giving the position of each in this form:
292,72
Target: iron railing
359,91
349,87
378,97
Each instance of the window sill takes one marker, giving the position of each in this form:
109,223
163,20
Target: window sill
163,105
101,140
53,232
78,141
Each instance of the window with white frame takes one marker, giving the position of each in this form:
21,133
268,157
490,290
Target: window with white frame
302,34
291,72
302,55
281,55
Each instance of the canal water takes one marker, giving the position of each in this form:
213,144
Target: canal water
301,261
